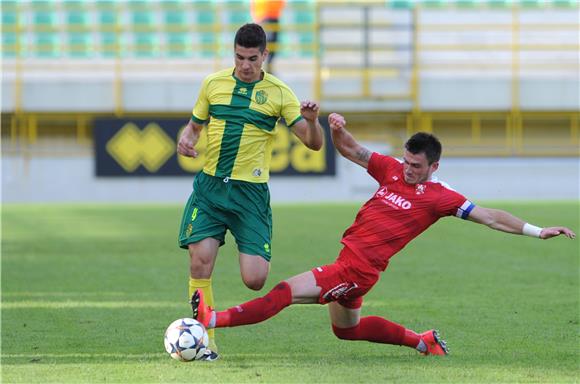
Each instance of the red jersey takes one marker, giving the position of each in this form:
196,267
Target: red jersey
397,213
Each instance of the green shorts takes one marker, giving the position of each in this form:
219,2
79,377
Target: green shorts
218,204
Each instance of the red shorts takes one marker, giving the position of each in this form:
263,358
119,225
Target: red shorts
343,282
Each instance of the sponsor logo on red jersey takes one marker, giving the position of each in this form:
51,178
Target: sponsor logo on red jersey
393,199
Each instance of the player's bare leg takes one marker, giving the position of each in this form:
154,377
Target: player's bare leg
304,288
254,270
343,317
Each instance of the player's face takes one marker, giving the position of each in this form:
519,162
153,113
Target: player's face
416,168
249,63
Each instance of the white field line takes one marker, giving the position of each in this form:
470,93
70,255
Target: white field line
89,304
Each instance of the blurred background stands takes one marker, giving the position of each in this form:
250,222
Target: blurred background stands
491,78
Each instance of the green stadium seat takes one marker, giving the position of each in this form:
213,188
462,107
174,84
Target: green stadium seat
465,3
178,42
45,30
80,39
178,45
145,38
401,4
239,12
11,22
499,3
47,45
10,46
304,19
565,3
112,45
530,3
175,19
434,3
145,45
9,19
80,44
108,20
205,20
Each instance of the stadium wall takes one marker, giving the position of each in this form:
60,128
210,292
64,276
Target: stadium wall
71,179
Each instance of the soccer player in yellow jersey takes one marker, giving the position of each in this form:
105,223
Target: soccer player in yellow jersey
241,106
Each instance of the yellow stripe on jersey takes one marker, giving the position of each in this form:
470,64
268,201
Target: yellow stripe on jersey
242,121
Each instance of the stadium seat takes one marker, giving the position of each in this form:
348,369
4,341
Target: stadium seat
464,3
304,14
45,31
238,12
109,21
205,20
433,3
80,38
529,3
177,38
498,3
401,4
10,46
10,29
145,38
565,3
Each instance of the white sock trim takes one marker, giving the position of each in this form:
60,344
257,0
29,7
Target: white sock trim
212,320
421,347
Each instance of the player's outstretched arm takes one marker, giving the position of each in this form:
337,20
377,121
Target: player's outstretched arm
309,130
506,222
188,139
345,143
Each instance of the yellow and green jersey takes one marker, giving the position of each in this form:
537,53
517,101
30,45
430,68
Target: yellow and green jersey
242,118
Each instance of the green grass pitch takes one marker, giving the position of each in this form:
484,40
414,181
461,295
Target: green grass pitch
88,290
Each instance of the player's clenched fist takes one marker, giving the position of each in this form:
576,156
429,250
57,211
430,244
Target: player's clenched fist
309,110
336,121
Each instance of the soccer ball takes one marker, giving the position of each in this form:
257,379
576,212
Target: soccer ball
186,339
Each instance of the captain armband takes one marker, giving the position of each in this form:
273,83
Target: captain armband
531,230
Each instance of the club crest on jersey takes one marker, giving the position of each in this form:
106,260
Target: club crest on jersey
420,189
261,97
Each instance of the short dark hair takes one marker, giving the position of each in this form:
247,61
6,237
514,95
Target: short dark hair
426,143
251,35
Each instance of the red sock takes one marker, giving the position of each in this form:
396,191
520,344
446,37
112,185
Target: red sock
378,330
256,310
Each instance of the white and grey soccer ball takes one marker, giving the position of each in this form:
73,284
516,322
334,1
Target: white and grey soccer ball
186,339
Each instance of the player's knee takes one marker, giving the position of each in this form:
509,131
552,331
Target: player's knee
200,267
254,282
345,333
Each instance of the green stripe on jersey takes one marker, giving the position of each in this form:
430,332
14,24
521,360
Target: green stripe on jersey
244,115
241,98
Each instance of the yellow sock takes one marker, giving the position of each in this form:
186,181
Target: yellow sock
204,285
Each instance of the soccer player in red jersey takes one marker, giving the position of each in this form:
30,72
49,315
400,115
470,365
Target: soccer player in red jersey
408,201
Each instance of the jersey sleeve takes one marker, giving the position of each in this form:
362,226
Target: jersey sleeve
379,166
200,111
290,107
453,203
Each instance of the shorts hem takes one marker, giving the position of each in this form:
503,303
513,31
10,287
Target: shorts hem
252,253
191,240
